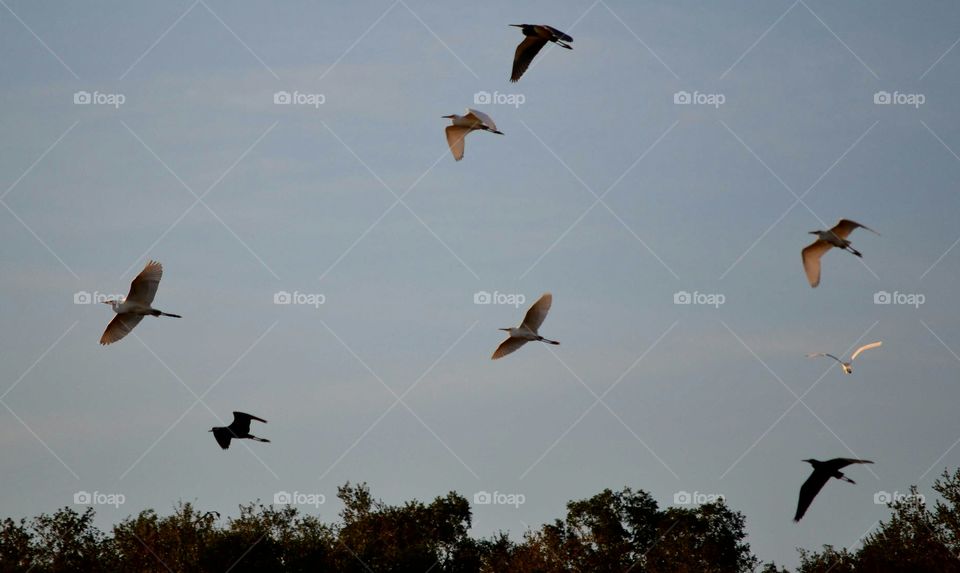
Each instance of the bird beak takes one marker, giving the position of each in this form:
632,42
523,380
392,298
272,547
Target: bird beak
813,232
447,116
516,25
506,329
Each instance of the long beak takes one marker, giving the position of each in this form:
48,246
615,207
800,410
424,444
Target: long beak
516,25
447,116
504,329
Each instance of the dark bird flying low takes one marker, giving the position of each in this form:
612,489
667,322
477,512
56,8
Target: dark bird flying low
239,429
537,36
822,472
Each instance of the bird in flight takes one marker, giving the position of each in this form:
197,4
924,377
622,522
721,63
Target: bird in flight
131,310
826,240
537,36
847,366
239,429
822,472
527,330
464,124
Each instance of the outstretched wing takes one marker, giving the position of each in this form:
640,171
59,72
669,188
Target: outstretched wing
241,422
840,463
844,227
223,437
508,346
809,490
865,347
120,326
538,312
526,51
455,137
811,260
815,354
144,287
481,117
558,34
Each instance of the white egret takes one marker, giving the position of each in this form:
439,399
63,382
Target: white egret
131,310
847,366
527,331
826,240
822,472
464,124
537,36
239,429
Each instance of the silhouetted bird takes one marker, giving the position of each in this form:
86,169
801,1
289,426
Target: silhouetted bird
527,331
822,472
239,428
537,36
826,240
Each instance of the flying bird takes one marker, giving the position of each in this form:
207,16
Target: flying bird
464,124
537,36
822,472
847,366
239,429
527,330
131,310
826,240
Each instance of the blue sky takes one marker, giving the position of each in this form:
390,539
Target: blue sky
241,198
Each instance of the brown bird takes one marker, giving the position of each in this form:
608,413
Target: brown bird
131,310
826,240
527,330
537,36
239,429
822,472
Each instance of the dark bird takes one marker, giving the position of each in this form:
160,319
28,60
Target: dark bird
239,428
537,36
826,240
822,472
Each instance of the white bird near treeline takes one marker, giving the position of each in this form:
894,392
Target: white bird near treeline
826,240
464,124
527,331
848,366
131,310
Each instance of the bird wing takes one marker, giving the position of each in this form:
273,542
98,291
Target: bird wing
844,227
809,490
526,51
481,117
865,347
538,312
120,326
558,34
241,423
811,260
815,354
455,137
508,346
839,463
223,437
144,287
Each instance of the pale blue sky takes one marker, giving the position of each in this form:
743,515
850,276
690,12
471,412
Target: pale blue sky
297,199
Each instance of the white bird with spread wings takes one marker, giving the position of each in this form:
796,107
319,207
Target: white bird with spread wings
464,124
131,310
847,366
527,331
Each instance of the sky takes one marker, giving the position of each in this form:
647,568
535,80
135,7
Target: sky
680,152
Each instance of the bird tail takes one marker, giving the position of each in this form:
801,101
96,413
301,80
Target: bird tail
170,315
